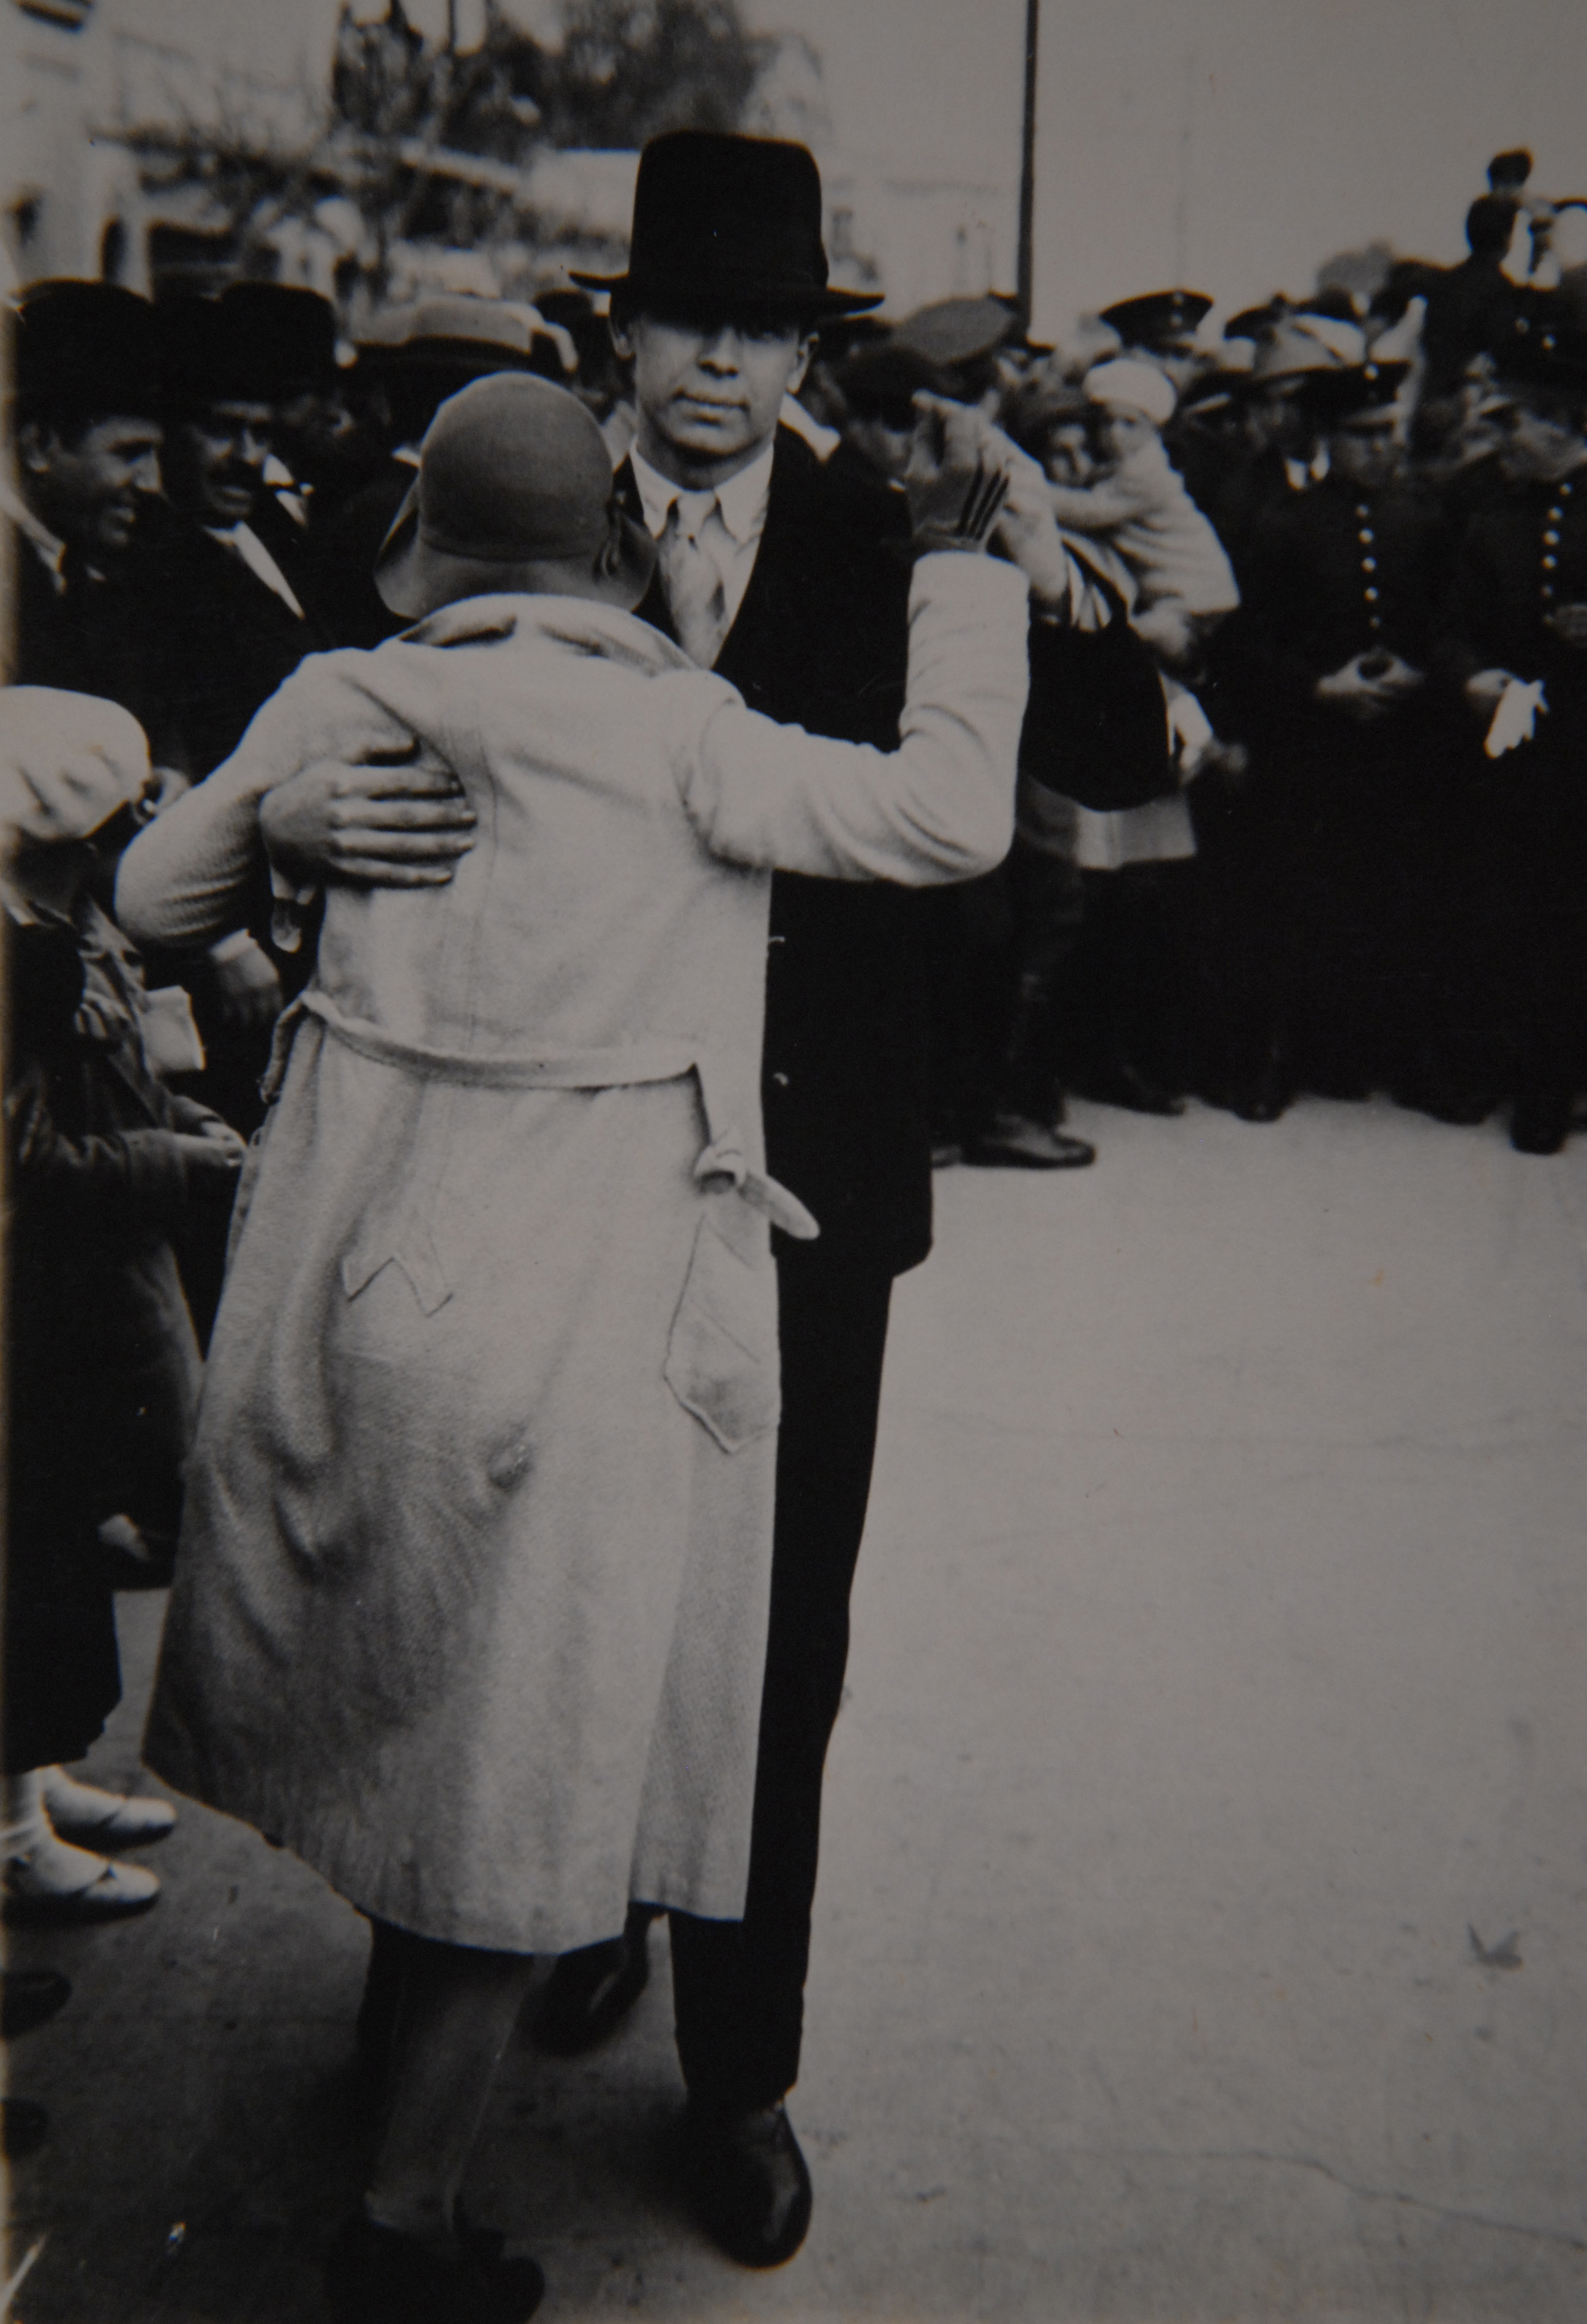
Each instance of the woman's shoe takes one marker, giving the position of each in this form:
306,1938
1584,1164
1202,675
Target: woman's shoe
55,1883
377,2275
107,1818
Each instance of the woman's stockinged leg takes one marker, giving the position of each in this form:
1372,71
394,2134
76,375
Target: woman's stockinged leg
457,2013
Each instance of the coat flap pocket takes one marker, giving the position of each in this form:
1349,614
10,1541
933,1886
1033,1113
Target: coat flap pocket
722,1354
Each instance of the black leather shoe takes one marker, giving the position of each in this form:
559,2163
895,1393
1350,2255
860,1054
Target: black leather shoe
1014,1142
591,1991
30,1997
376,2275
750,2182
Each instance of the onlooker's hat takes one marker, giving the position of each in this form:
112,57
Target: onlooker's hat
69,762
724,223
954,331
1158,319
208,353
1125,385
1302,343
1252,322
879,382
512,471
84,351
290,334
462,332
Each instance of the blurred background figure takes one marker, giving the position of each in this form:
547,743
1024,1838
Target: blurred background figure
1517,625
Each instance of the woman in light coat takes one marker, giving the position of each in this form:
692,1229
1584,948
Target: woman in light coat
471,1602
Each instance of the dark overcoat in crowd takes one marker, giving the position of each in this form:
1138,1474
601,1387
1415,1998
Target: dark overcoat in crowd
101,1362
1364,821
1523,553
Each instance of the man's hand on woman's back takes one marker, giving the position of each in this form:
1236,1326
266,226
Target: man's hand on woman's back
381,825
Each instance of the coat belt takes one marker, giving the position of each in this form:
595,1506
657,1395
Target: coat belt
623,1065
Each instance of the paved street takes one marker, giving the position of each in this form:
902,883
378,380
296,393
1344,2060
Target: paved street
1203,1935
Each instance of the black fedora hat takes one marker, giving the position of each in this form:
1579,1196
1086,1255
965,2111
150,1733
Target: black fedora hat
292,333
728,222
83,350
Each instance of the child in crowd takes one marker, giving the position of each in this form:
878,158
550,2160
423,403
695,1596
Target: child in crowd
1134,502
101,1362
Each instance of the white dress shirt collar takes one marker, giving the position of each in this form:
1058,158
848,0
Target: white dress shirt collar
741,501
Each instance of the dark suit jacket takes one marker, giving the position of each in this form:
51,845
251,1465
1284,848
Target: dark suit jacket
821,641
221,639
89,638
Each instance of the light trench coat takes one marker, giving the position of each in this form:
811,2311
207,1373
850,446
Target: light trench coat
471,1599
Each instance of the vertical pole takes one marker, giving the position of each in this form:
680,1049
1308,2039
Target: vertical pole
1026,282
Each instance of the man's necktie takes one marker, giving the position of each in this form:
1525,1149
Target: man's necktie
692,578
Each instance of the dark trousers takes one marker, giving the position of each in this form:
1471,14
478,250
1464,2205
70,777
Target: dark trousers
739,1985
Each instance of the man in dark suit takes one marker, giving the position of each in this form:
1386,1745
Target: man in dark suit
792,581
85,446
792,584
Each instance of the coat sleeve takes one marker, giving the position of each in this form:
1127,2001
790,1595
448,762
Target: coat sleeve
939,808
117,1182
193,874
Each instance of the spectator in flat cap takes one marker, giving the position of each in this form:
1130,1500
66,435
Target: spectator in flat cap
85,435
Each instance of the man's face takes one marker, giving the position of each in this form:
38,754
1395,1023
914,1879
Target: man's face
709,387
214,464
313,431
1365,451
1275,420
1540,443
88,486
